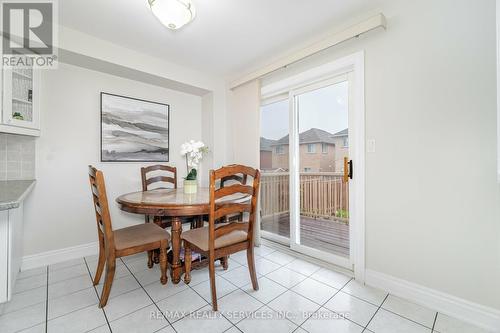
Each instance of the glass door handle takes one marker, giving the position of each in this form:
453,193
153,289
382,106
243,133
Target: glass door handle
347,169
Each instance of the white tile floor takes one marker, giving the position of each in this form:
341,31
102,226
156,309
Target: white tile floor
294,296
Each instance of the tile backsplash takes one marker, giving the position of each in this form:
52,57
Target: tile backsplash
17,157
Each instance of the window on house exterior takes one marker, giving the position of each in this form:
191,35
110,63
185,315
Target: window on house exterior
280,150
346,141
311,148
324,148
307,169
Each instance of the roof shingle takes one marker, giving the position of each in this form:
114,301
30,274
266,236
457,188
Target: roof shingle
266,144
313,135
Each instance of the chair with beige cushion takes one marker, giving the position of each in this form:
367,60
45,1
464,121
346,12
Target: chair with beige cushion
122,242
217,241
162,177
159,176
233,179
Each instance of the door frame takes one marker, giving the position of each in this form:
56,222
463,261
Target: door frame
352,63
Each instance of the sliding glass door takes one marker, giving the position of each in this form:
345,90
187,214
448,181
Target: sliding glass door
320,202
305,162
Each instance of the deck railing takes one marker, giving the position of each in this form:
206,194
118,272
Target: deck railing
322,195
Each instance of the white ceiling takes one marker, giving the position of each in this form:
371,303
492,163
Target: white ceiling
227,36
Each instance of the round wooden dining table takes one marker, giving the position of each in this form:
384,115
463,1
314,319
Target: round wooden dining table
168,202
175,204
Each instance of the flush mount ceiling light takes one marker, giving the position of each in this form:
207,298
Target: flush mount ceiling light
173,13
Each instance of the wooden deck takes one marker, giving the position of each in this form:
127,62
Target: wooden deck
326,235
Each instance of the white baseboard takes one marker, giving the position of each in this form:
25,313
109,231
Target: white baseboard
476,314
56,256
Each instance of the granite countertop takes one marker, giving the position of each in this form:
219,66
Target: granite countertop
13,192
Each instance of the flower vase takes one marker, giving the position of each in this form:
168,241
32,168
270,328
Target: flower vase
190,186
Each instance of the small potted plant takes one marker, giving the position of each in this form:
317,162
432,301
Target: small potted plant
193,151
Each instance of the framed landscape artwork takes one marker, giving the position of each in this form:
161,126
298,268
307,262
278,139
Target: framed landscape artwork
133,130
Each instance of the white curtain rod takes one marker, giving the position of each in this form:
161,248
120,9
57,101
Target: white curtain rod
374,22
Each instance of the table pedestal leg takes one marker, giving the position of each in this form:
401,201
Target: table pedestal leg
156,254
176,249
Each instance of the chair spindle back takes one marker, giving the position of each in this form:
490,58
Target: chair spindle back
233,199
170,178
100,199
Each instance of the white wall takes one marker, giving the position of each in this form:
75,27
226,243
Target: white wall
59,212
93,47
432,199
207,131
243,102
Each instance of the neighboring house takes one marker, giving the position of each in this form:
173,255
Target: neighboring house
341,140
320,151
266,154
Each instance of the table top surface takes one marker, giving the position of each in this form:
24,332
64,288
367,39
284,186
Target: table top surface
173,197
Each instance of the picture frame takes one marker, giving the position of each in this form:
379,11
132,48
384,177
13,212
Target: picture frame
134,129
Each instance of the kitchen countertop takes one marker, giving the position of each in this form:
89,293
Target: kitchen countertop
13,192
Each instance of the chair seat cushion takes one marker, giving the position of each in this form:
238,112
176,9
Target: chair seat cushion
199,238
139,235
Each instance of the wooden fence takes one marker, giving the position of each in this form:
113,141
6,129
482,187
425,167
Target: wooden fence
322,195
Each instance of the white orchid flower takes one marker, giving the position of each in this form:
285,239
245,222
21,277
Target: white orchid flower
193,150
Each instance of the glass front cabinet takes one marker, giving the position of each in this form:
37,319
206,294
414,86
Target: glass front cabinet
20,101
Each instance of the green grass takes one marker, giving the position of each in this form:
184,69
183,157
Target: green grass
342,213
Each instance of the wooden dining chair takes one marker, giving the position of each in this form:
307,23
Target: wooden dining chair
225,181
163,176
233,179
220,240
123,242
